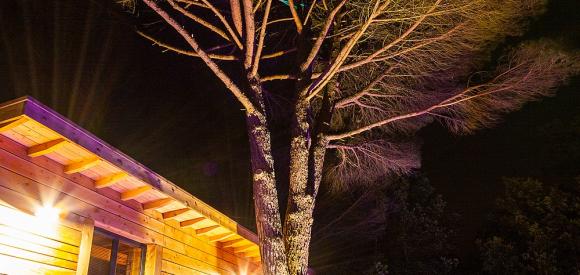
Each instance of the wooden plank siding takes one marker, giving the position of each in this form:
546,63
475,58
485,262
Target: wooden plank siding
131,205
54,251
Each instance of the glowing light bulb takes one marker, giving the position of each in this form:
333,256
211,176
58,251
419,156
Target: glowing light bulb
47,214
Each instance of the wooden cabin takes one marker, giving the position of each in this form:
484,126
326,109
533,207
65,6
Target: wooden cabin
72,204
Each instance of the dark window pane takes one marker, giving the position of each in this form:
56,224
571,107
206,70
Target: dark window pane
128,259
100,254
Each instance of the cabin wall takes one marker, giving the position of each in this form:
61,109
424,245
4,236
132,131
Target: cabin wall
27,183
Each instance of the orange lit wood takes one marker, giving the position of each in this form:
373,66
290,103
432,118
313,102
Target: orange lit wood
46,148
175,213
153,260
243,248
85,247
81,165
231,243
133,193
12,123
206,230
191,222
157,203
36,257
253,254
220,237
110,180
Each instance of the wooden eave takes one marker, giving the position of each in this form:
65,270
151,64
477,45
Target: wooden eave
42,130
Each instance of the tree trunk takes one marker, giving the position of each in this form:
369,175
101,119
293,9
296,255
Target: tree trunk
298,220
306,161
266,204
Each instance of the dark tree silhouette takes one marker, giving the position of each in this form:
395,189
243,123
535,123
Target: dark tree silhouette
535,229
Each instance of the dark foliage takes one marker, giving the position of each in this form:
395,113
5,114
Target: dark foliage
535,229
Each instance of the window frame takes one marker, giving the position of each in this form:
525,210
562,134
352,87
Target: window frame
115,249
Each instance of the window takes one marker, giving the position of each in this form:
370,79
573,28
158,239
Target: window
114,255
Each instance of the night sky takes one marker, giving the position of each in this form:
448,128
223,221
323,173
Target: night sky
83,59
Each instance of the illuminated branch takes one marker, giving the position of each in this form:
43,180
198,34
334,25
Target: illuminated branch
190,2
184,52
236,15
261,37
531,72
277,77
374,57
249,34
295,17
233,35
365,91
244,100
200,21
331,70
277,54
321,37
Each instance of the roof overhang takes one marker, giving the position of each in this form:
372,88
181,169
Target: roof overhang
57,133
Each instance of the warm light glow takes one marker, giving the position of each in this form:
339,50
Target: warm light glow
47,214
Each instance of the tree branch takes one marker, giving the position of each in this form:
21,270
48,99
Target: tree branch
200,21
184,52
261,38
249,34
295,16
242,98
277,54
349,99
372,58
233,35
321,37
331,70
236,15
277,77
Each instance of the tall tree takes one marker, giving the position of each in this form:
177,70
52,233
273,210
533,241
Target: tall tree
361,77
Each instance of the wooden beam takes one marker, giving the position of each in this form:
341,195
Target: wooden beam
133,193
231,243
13,123
206,230
157,203
175,213
46,148
81,165
85,247
243,248
191,222
253,253
221,237
110,180
153,260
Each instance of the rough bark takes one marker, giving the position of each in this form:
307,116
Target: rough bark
306,163
268,219
299,219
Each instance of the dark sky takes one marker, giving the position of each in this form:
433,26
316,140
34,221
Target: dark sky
83,59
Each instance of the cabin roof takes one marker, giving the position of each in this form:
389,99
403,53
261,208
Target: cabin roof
46,133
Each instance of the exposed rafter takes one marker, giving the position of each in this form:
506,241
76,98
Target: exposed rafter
221,237
81,165
191,222
206,230
232,242
13,123
156,204
110,180
133,193
176,213
46,148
